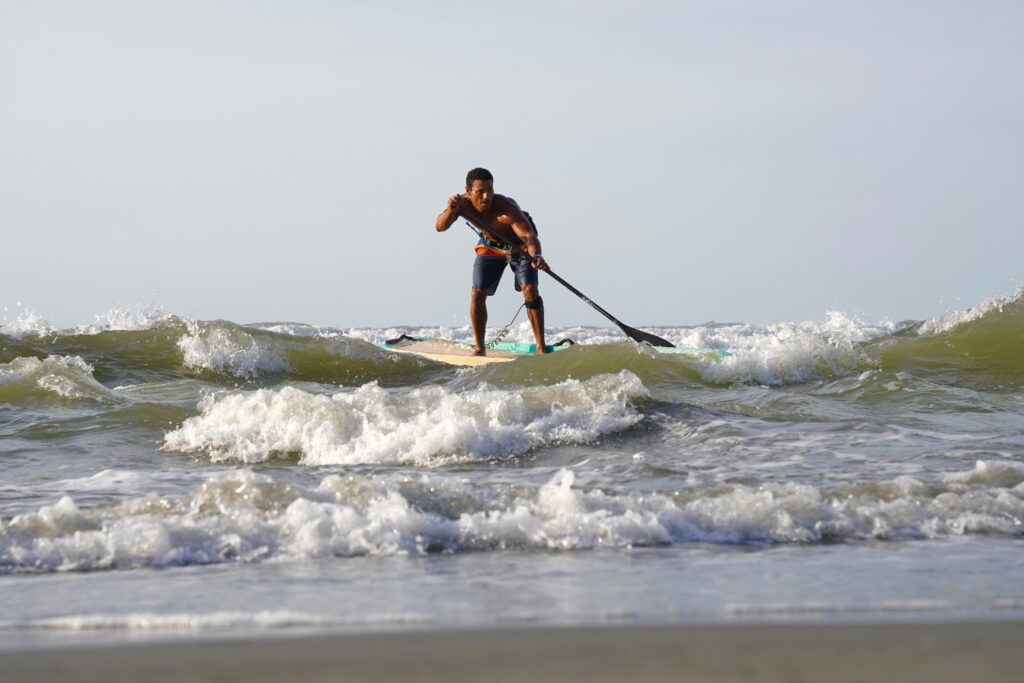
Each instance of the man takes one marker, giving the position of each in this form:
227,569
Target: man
507,236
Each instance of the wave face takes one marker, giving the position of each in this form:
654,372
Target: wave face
27,380
979,344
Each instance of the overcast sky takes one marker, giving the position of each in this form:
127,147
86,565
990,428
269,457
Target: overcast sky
685,161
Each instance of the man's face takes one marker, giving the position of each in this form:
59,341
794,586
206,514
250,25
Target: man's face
481,194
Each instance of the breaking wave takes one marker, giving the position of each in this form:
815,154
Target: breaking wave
429,425
247,517
978,346
53,379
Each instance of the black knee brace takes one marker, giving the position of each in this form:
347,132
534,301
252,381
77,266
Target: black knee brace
535,304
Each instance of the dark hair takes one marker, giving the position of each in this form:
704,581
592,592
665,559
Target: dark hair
478,174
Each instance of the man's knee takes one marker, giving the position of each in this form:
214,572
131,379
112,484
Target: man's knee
530,292
479,296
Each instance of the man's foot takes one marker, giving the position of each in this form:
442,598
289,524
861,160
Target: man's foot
543,349
477,351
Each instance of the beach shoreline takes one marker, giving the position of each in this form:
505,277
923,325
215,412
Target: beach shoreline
991,651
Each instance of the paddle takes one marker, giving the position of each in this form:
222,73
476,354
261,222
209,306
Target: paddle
631,332
636,335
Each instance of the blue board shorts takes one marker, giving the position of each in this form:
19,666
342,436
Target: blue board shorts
487,271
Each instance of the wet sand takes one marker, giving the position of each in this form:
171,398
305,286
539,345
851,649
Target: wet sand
988,651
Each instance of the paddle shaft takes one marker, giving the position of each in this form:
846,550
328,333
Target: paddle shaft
586,298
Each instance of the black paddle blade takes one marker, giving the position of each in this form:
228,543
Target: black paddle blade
646,337
398,340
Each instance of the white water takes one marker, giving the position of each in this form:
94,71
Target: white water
426,426
246,517
221,348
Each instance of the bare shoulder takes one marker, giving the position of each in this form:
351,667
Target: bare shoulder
507,209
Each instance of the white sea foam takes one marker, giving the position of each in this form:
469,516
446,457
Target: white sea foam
1007,475
784,352
378,335
117,481
948,321
141,317
246,517
26,323
426,426
69,377
830,608
222,347
211,621
299,330
106,479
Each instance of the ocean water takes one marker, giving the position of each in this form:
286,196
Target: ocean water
162,476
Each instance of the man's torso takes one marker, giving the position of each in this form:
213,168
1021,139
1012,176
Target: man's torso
503,212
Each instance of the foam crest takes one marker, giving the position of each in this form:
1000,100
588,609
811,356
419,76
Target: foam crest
378,335
1002,474
25,324
300,330
785,353
246,517
68,377
230,349
902,509
948,321
427,426
126,319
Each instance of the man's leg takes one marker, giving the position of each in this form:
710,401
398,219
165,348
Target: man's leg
535,312
486,276
478,315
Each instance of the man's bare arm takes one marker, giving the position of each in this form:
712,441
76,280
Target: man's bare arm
514,217
520,225
529,238
465,208
450,214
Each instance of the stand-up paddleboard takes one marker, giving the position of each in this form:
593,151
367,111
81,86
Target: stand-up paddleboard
461,353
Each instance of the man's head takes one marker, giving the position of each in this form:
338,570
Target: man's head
480,188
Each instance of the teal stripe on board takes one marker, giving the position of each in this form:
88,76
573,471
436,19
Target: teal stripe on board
522,349
528,349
